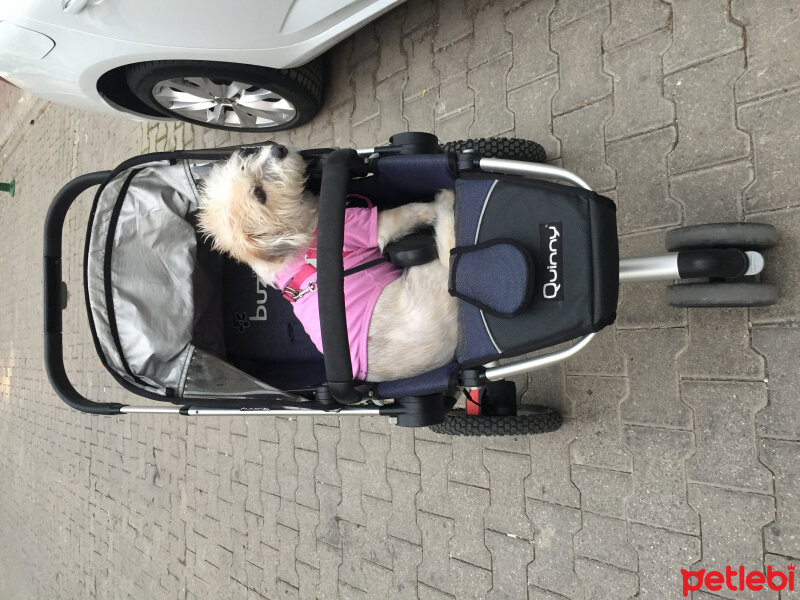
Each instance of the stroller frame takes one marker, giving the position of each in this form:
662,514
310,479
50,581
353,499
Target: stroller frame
409,411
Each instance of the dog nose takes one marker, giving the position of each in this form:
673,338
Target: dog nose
279,151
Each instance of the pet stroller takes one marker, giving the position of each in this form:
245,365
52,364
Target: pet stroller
536,265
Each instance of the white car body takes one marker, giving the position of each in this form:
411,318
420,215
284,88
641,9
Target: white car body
59,49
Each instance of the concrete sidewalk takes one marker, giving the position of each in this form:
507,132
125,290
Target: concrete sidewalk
681,447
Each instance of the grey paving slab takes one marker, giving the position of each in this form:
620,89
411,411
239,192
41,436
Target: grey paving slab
490,38
605,540
713,195
707,129
568,12
639,102
492,116
469,504
773,62
578,47
530,104
403,523
603,491
530,35
434,570
420,74
434,497
601,357
506,513
701,30
390,38
549,479
633,19
600,580
644,202
390,96
780,346
468,580
659,480
773,124
781,269
783,535
376,548
599,438
654,397
405,559
553,569
511,557
582,147
467,465
662,554
452,24
731,524
724,417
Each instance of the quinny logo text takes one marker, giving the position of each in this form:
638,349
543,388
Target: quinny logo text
736,580
550,244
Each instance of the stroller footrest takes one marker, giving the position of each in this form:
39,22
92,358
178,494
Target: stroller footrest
496,276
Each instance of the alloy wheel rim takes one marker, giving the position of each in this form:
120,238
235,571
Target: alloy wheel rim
225,103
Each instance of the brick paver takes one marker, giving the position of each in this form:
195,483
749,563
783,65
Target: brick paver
682,443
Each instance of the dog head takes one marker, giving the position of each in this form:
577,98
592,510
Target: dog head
255,207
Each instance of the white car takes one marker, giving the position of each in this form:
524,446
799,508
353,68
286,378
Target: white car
246,65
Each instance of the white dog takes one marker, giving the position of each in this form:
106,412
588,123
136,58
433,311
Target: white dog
257,209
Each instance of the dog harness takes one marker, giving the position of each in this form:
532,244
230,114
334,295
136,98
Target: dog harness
367,274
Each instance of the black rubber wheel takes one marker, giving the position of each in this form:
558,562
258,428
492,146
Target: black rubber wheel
746,236
508,148
716,295
229,96
530,420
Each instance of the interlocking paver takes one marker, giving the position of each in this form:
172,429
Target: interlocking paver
644,202
403,524
781,269
434,496
506,513
530,104
554,527
569,12
580,62
510,558
490,37
701,30
633,19
731,523
605,540
713,195
724,417
469,504
707,129
434,570
782,458
467,464
599,439
780,346
603,491
469,581
639,103
659,480
492,117
773,57
582,147
530,34
600,580
406,557
662,554
549,480
773,123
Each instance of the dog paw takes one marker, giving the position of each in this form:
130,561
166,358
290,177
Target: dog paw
445,199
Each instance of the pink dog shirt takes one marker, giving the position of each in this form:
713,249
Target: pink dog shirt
361,289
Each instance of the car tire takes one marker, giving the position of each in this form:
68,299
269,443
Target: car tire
276,99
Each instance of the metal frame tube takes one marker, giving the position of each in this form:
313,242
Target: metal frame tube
537,362
201,411
649,268
518,167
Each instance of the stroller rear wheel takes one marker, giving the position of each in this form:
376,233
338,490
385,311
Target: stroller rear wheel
722,294
507,148
530,420
746,236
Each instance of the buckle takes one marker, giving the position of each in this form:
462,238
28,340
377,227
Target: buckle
292,294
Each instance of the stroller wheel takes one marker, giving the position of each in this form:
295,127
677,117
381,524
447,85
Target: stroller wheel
716,294
746,236
508,148
530,420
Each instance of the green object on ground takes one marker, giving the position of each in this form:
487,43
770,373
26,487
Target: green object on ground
8,187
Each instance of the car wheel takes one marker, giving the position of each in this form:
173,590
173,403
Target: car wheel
229,96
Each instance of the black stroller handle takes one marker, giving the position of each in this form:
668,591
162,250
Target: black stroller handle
53,343
330,274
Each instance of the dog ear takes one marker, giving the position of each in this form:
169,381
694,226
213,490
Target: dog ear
272,249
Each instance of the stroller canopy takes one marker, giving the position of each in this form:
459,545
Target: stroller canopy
151,286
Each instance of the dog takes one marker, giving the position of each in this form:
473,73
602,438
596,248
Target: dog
256,209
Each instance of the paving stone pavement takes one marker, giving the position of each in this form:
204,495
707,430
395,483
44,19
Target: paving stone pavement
682,444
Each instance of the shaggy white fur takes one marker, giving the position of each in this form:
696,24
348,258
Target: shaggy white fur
257,209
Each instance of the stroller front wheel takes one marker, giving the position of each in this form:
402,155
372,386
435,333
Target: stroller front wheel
528,420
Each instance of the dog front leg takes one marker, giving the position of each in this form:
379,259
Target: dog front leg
398,222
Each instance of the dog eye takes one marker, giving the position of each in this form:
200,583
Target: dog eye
260,194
